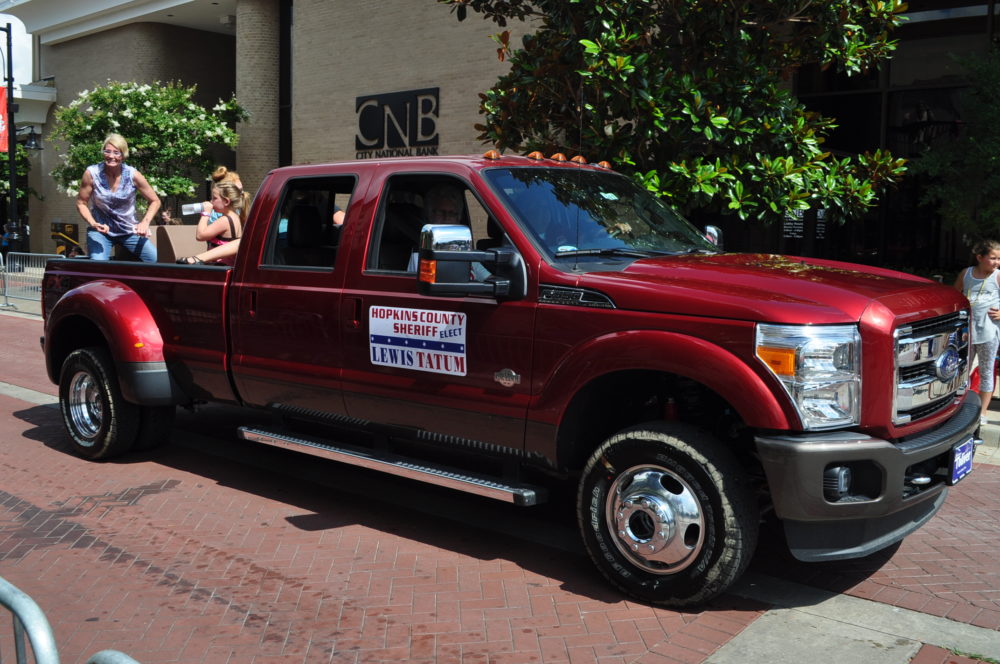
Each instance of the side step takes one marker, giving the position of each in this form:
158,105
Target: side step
481,485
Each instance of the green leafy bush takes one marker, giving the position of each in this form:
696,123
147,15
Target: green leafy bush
167,133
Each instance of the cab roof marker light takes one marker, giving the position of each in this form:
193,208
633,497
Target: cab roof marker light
604,164
579,159
535,155
491,154
559,156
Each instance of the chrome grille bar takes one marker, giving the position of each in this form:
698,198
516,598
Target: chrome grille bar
925,373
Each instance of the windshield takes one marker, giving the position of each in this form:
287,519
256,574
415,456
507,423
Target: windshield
573,213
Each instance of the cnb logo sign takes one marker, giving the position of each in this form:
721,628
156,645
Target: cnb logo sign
397,124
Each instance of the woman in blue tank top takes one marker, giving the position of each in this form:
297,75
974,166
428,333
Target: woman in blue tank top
106,201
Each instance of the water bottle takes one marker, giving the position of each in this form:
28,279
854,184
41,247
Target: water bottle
191,208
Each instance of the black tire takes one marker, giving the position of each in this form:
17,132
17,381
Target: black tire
155,423
100,423
667,514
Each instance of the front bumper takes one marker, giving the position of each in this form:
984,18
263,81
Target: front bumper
883,506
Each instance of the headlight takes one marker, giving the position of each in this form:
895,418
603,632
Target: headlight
820,369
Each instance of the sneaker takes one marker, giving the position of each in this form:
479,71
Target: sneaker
983,420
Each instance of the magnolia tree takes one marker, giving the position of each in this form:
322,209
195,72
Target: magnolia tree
167,133
22,166
690,96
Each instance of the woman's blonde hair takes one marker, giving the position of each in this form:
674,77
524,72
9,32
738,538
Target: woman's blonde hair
223,174
237,199
118,142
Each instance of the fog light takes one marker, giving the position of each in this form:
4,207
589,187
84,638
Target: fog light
836,482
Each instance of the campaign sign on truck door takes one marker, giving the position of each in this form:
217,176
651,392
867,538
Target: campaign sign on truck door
418,339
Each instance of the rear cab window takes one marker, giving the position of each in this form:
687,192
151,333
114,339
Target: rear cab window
305,232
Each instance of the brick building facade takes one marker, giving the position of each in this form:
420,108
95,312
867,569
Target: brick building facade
329,80
299,67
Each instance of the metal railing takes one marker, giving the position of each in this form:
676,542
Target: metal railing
31,621
22,275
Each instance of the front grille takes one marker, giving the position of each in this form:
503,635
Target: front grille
909,374
929,409
931,365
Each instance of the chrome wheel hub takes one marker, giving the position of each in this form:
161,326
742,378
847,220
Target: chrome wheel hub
85,406
656,519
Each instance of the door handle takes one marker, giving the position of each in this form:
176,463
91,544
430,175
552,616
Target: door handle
353,309
252,303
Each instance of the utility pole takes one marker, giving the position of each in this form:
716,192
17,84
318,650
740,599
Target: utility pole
13,223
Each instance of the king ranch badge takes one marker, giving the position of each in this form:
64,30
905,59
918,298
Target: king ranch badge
418,339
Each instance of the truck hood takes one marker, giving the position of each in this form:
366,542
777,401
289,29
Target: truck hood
769,287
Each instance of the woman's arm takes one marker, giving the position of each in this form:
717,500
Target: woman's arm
222,251
83,203
142,186
207,231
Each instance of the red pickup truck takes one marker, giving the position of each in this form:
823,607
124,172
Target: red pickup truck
561,323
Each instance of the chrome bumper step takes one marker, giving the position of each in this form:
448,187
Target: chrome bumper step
481,485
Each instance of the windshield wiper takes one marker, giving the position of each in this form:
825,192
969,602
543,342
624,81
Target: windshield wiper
612,251
695,250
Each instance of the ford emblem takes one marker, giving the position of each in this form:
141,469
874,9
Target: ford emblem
946,366
507,377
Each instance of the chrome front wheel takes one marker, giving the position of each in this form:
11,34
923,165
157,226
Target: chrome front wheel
667,513
659,523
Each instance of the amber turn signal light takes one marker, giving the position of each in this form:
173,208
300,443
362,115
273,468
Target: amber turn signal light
780,360
428,271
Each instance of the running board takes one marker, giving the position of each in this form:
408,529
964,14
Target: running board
481,485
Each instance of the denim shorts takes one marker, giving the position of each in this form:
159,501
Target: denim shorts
99,246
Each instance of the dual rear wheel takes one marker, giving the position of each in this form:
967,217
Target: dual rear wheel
100,422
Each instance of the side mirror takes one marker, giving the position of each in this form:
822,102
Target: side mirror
714,235
450,267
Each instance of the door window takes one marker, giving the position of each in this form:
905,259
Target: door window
306,231
410,202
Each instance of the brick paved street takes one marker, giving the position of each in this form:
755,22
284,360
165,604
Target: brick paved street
206,551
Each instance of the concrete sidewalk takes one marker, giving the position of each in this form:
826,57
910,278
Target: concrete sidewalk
808,624
935,600
821,627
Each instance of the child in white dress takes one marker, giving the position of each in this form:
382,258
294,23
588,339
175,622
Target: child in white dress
979,284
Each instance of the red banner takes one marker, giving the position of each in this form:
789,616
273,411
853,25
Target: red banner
3,119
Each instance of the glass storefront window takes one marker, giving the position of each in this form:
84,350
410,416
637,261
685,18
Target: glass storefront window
931,61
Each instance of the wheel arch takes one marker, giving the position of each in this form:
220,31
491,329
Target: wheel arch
111,315
627,378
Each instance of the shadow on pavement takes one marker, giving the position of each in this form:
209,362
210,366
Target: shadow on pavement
543,539
774,559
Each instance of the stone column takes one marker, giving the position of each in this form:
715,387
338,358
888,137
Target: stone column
257,89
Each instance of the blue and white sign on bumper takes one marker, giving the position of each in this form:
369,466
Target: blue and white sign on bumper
961,460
